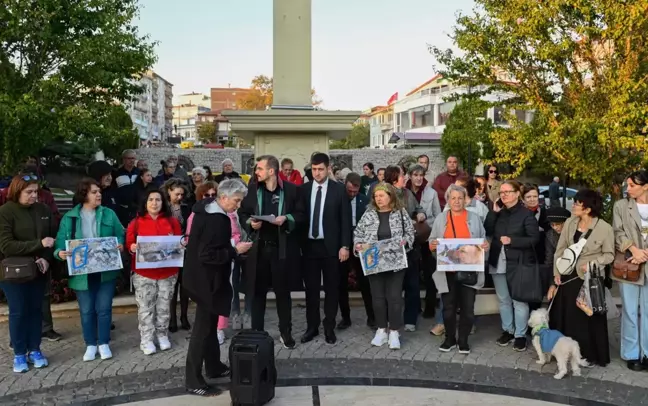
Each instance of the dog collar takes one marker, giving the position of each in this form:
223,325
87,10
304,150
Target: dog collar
537,329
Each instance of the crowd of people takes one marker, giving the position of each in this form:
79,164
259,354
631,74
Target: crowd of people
286,232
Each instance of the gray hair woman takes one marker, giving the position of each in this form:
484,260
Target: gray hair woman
457,223
207,280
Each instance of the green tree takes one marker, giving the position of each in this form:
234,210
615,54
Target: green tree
580,66
207,133
65,70
358,137
261,95
467,133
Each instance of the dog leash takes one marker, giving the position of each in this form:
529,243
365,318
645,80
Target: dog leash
556,292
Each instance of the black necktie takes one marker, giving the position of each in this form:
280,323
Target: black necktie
316,212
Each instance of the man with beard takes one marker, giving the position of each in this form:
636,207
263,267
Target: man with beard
275,256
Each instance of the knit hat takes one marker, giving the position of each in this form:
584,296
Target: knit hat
98,169
557,214
200,171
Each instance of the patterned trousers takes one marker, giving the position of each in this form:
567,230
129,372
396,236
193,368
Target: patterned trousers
153,297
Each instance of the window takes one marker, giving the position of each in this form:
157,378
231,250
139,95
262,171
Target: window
422,117
444,112
499,116
425,92
405,121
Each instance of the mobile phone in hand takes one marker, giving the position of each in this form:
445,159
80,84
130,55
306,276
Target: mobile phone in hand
499,203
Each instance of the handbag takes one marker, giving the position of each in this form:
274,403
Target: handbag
624,270
597,291
468,278
567,261
20,269
423,231
525,281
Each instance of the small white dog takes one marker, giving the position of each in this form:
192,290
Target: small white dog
552,342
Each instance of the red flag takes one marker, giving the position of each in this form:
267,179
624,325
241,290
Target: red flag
392,99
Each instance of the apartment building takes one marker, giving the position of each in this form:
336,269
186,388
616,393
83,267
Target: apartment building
186,109
152,110
381,126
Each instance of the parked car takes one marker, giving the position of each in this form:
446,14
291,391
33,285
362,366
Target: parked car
544,192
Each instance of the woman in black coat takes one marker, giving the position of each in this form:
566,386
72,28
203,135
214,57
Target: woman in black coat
531,199
207,268
515,234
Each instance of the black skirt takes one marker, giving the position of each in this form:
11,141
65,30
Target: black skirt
591,332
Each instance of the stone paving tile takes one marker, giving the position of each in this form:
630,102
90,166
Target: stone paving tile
418,348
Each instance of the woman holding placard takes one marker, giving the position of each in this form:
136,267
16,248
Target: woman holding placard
94,291
153,287
458,289
385,218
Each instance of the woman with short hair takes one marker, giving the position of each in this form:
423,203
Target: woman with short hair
457,222
95,291
208,262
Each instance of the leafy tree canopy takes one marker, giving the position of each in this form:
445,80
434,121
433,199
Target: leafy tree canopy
261,95
467,133
65,70
207,133
580,66
358,138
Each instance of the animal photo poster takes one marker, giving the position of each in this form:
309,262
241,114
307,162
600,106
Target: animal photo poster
159,252
91,255
461,254
383,256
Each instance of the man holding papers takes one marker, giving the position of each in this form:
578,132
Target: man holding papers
272,210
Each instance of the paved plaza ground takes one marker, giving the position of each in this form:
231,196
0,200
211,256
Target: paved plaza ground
131,376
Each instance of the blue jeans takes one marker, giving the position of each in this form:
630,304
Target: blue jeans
514,314
95,306
634,343
439,315
411,285
25,302
236,285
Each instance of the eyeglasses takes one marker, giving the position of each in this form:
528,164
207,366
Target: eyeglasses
506,192
27,178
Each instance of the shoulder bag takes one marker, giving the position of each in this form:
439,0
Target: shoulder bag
624,270
468,278
567,261
20,269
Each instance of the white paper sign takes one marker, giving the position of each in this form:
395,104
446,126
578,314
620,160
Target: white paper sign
461,254
159,252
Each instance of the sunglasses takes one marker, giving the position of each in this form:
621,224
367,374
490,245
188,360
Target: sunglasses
206,195
27,178
492,171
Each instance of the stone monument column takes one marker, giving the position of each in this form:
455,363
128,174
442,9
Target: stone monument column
291,128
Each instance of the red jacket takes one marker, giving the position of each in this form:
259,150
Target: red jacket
147,226
295,177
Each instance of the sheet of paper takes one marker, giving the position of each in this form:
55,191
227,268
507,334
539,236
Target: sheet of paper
268,219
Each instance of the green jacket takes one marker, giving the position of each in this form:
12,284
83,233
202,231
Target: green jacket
108,225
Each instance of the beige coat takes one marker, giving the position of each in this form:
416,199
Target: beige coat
599,248
627,232
493,193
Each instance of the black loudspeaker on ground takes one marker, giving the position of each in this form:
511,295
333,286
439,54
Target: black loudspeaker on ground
254,374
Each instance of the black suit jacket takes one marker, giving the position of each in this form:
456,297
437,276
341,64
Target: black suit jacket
336,221
361,206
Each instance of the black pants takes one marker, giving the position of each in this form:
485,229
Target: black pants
412,288
352,265
458,297
269,265
428,265
386,290
203,347
184,301
318,268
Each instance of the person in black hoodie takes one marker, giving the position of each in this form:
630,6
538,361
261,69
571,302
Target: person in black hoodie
515,233
101,171
207,269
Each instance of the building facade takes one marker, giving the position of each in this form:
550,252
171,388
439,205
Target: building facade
186,109
152,110
225,98
381,126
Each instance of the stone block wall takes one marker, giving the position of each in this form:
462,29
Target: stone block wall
244,158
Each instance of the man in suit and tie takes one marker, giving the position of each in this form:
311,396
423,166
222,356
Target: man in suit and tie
358,201
326,246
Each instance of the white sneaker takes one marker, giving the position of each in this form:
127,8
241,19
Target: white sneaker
394,340
410,328
164,342
380,338
104,351
247,322
148,348
221,337
90,354
237,322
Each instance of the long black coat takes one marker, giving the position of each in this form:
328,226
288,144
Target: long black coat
208,260
521,226
287,273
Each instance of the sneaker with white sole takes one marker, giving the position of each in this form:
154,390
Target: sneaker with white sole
221,337
247,321
148,348
394,340
380,338
237,322
104,351
90,354
164,342
410,328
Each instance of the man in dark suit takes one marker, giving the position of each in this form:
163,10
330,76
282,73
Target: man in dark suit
274,257
326,246
358,202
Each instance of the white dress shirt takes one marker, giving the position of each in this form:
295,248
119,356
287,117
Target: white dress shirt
354,204
321,214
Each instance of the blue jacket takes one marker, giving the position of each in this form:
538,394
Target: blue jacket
548,338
